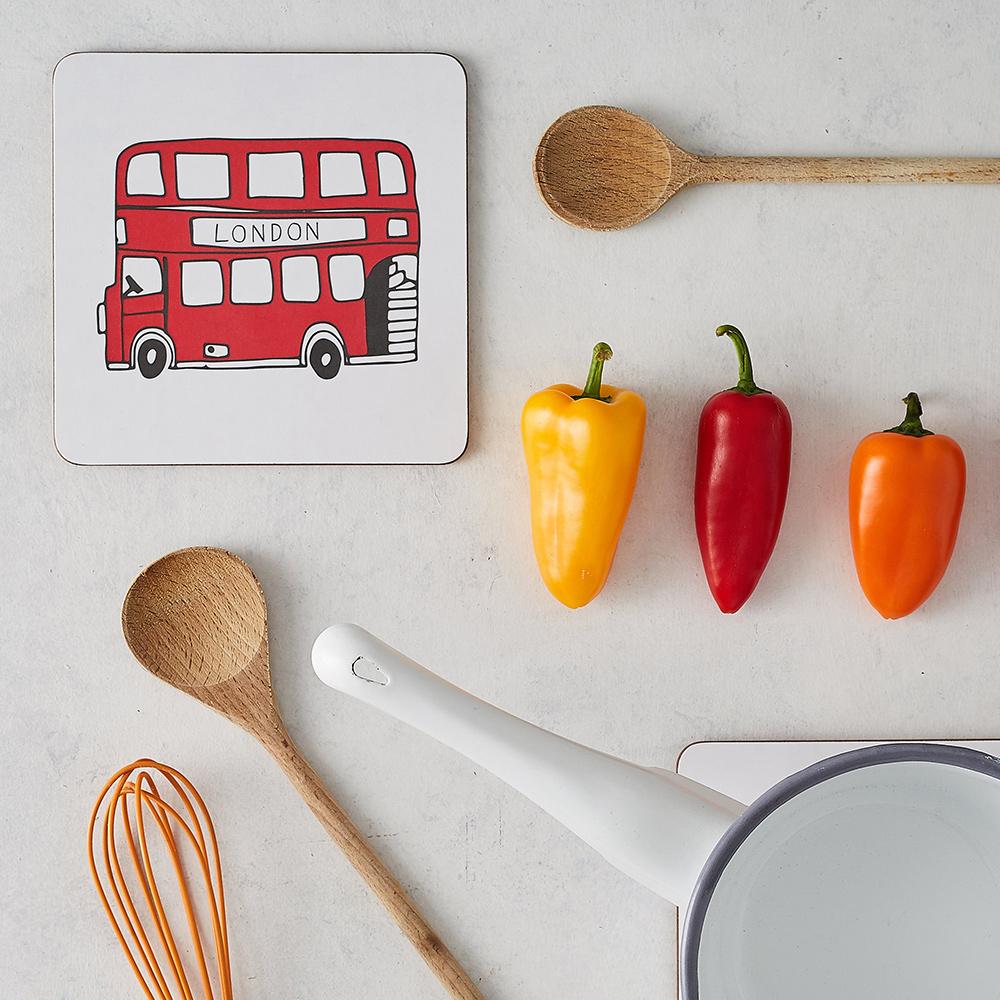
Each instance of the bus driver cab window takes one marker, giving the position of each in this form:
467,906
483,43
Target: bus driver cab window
141,276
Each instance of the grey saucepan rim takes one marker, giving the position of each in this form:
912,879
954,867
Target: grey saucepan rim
755,814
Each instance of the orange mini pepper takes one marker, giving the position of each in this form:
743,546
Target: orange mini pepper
583,448
907,488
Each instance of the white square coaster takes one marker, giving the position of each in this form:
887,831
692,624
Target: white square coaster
260,258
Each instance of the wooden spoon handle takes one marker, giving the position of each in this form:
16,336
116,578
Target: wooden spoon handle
851,170
370,867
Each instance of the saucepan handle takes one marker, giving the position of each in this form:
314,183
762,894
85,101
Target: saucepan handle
351,659
656,826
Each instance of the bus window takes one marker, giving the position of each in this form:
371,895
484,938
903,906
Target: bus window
300,279
202,175
341,173
144,175
275,175
347,277
201,282
391,176
250,281
141,276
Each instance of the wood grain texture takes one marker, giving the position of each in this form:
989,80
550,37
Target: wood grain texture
197,619
849,169
604,168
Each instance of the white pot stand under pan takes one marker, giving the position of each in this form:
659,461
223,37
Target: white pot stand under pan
794,890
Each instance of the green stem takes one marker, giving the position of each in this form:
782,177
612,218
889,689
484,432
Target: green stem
911,425
592,389
745,382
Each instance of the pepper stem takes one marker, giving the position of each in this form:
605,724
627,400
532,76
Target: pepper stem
592,388
911,425
745,382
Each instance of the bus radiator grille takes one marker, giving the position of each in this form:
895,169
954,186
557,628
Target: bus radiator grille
391,314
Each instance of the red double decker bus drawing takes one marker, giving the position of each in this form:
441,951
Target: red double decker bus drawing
249,253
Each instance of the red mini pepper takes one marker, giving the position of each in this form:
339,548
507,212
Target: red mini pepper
741,481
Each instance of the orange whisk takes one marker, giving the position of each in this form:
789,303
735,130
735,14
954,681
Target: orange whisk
161,959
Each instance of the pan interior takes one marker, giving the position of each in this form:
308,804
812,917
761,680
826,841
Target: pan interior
881,883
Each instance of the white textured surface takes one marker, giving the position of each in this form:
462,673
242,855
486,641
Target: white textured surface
850,296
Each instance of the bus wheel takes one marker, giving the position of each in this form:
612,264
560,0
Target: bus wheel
324,358
152,357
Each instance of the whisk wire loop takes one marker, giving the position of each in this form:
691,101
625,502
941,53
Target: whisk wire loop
126,803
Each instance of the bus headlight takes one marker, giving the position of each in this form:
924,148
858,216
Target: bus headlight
120,234
102,318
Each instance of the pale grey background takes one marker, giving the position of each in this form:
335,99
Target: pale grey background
851,296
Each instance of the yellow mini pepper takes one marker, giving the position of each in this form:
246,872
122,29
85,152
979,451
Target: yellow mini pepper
583,448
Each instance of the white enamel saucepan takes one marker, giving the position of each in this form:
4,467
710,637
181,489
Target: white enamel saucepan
872,875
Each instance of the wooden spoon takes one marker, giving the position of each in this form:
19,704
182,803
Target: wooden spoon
197,619
603,168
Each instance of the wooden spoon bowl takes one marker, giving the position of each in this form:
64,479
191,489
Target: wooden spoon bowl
603,168
197,619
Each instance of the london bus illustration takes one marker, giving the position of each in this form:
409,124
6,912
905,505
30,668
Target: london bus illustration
253,253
